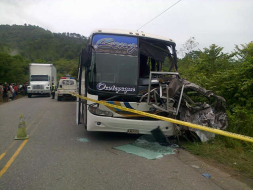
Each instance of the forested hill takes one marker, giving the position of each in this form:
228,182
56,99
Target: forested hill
33,43
24,44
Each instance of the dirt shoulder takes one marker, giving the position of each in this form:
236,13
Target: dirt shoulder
222,175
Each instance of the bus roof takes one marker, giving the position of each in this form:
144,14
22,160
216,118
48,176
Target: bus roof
132,33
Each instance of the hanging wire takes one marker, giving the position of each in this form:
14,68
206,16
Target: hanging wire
158,15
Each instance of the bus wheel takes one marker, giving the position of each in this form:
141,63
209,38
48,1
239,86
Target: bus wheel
29,95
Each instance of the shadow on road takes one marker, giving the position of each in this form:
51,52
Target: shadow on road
40,96
111,136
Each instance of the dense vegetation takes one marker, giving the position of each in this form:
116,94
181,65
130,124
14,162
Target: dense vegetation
230,76
21,45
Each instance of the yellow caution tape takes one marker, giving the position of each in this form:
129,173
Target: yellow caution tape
200,127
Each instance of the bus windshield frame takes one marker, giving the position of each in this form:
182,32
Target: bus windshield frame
114,64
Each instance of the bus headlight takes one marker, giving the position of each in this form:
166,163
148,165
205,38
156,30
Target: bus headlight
93,108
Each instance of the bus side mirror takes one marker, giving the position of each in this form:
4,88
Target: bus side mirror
85,57
60,86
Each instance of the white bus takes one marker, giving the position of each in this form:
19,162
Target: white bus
124,68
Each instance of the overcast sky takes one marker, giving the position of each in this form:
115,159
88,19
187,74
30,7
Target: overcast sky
221,22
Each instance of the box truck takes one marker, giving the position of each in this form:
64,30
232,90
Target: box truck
41,78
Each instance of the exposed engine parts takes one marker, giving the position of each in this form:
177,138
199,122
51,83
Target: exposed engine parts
177,98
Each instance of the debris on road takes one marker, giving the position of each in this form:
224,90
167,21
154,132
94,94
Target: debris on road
206,175
82,139
147,147
160,137
194,166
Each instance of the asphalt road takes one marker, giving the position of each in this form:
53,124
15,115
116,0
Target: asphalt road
54,157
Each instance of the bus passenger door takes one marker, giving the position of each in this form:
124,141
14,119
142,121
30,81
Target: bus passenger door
78,102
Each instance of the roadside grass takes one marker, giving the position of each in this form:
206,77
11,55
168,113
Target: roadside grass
234,153
238,158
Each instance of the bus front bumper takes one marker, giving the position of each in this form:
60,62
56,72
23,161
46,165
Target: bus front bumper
111,124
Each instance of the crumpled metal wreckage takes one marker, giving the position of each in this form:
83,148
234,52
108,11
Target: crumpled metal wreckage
180,99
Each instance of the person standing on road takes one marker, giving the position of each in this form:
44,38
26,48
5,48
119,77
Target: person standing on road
1,93
53,90
25,88
16,91
12,91
9,93
6,98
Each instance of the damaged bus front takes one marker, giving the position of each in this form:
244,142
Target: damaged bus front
125,68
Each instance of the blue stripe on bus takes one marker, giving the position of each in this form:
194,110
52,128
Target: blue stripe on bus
128,105
112,102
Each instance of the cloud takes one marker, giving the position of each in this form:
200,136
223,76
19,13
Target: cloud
224,23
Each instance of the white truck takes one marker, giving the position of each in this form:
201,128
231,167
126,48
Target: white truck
66,86
41,78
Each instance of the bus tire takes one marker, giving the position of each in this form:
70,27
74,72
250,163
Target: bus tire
29,95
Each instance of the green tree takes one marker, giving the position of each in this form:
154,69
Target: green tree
13,68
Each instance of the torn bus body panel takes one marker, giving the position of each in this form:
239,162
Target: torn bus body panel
201,113
180,99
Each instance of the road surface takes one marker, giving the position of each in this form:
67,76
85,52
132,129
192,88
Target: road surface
56,155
